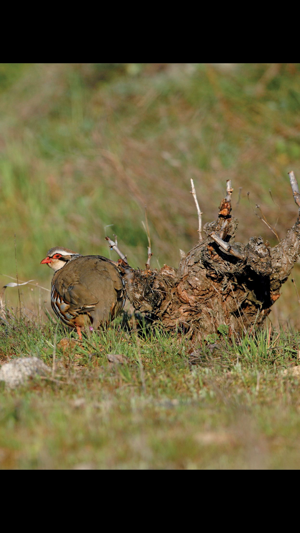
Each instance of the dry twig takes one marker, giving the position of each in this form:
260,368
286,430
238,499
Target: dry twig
193,192
114,246
295,188
146,228
227,247
229,191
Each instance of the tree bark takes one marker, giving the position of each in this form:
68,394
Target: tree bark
219,282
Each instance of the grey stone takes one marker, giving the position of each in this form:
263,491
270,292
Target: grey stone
117,358
17,371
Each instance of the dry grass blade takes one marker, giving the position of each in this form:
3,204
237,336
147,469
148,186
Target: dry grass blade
30,281
13,284
263,219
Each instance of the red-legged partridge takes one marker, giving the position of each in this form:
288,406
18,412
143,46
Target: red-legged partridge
86,290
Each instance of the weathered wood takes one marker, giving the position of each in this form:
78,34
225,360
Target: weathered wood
219,281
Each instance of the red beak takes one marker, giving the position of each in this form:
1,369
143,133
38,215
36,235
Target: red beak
46,260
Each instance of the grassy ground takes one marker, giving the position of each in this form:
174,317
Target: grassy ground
84,150
167,405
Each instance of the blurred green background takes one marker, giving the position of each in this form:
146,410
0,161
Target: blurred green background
86,148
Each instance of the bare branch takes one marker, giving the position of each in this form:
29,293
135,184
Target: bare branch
193,192
227,247
146,228
229,191
295,188
114,246
149,258
225,207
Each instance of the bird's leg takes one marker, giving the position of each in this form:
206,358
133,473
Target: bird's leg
78,329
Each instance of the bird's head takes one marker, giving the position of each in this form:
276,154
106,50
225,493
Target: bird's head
58,257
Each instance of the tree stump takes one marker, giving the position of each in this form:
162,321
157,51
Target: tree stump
219,282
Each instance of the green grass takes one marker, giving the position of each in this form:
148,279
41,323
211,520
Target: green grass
170,405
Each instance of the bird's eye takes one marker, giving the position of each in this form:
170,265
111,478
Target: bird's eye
57,256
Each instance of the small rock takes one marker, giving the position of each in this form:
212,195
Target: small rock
292,371
17,371
117,358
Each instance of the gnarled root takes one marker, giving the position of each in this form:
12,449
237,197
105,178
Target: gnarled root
219,282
